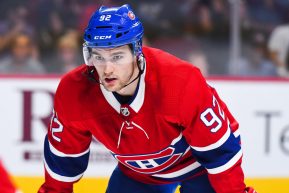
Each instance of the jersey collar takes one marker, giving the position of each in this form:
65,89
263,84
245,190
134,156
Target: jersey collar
137,102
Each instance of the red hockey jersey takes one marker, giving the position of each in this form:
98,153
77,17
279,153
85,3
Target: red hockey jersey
6,184
174,128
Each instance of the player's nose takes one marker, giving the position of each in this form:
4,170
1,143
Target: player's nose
108,68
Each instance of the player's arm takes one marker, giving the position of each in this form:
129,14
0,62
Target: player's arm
66,153
250,190
212,133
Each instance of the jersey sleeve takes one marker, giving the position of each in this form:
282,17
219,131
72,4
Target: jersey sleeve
66,152
212,133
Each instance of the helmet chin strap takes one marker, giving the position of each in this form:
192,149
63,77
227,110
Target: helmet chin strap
140,61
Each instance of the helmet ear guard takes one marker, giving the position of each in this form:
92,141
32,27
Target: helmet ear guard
86,55
113,27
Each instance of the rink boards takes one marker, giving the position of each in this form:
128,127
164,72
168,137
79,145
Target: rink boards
260,105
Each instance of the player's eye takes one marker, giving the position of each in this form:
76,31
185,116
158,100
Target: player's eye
98,58
117,57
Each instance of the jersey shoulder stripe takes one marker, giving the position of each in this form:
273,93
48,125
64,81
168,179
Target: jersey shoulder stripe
226,154
227,165
61,154
60,177
64,168
215,145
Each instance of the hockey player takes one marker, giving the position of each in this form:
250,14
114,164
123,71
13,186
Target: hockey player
154,112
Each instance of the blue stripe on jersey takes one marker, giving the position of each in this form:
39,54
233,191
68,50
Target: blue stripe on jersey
181,145
65,166
217,157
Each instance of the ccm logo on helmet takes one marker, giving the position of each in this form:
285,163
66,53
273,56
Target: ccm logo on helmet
102,37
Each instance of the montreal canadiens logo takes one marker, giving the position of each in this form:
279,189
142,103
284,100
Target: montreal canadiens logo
131,15
150,163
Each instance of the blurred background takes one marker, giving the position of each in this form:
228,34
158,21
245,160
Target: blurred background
241,46
222,37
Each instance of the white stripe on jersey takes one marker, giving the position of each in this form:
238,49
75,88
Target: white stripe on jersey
187,150
228,165
179,172
61,154
139,99
177,139
59,177
214,145
237,133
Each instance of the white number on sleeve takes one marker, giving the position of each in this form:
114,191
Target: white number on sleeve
221,112
214,119
56,127
105,18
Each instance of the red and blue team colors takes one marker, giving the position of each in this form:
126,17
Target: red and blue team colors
174,131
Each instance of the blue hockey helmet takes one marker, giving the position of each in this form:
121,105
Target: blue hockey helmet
113,27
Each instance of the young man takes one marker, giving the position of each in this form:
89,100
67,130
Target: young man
154,112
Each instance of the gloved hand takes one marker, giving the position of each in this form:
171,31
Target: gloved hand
250,190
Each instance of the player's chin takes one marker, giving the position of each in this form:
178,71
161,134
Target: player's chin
111,87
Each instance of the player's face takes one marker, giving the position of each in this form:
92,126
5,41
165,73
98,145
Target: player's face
116,67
